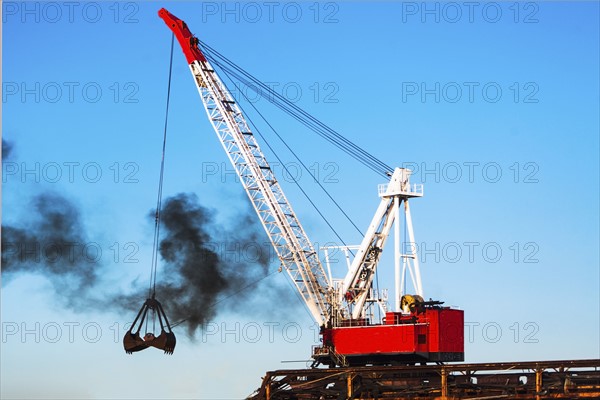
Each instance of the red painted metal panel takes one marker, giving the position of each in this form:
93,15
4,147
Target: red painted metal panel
375,339
433,333
436,331
452,331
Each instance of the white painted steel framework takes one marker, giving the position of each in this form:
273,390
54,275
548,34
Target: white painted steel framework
327,299
294,249
358,281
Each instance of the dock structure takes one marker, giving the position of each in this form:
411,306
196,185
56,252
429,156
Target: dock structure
563,379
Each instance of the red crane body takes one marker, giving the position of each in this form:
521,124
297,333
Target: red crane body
435,334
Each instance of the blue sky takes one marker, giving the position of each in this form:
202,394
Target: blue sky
501,109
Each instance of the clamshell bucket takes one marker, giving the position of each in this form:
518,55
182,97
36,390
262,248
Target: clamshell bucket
133,342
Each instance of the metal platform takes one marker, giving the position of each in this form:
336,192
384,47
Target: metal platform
564,379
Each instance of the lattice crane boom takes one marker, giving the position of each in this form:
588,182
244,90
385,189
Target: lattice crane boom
293,247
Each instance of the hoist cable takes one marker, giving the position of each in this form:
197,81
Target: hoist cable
255,128
294,154
301,115
310,122
331,133
154,268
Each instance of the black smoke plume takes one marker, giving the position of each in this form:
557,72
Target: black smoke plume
7,149
206,268
52,243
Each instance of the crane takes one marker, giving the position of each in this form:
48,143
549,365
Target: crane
416,331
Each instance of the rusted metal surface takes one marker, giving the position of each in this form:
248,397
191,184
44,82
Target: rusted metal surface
563,379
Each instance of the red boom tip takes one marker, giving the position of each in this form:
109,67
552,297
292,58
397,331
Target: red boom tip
188,42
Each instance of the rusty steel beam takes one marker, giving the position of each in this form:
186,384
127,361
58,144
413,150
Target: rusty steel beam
518,380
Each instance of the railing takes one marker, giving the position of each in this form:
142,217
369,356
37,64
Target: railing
416,189
337,358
